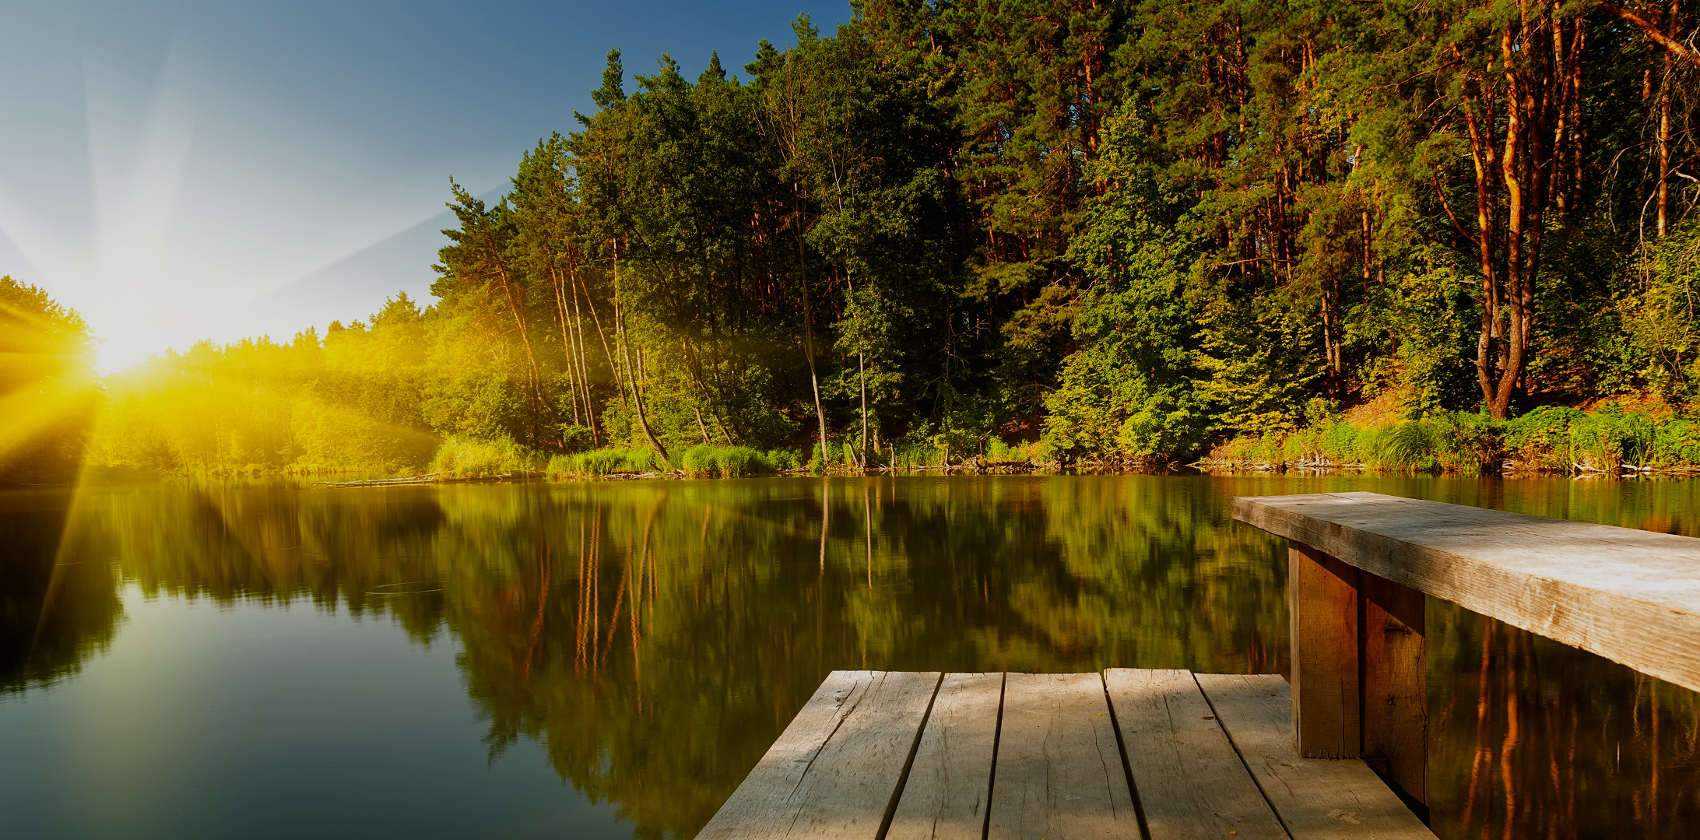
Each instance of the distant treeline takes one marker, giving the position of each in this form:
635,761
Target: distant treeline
1122,230
48,391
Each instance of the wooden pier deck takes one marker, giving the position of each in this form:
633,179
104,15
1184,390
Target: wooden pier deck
1171,754
1125,753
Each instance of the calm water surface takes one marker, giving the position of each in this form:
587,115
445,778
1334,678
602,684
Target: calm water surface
608,660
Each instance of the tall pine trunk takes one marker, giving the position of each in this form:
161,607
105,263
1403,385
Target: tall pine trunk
809,331
534,373
631,370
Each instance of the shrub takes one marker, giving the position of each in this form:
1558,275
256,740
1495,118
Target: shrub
1252,449
483,457
710,461
1410,446
1470,443
1548,439
1675,443
697,461
1540,440
1609,437
607,461
784,459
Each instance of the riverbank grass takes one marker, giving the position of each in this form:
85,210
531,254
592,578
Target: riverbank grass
463,457
1546,440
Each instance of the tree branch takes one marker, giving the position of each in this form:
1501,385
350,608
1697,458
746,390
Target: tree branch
1672,45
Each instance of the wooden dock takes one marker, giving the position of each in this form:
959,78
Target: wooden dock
1171,754
1125,753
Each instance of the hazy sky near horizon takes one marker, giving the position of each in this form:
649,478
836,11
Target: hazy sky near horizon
178,170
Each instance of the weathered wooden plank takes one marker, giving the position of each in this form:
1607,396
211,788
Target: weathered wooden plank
1315,798
835,771
1059,769
951,776
1189,781
1395,684
1630,596
1323,602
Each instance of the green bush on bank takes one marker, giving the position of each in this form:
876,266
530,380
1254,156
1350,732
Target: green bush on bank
931,449
1547,439
600,462
1675,442
1540,439
713,461
462,457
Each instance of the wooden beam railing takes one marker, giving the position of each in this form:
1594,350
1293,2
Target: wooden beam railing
1361,564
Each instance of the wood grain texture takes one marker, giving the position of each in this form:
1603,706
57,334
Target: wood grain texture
1189,781
1315,798
1323,605
1395,684
834,771
1059,768
1630,596
946,795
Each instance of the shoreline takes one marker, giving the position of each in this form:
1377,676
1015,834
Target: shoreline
967,468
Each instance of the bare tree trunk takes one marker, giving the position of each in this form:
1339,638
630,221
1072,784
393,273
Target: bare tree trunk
1652,30
693,366
1664,122
631,370
1512,165
1331,356
566,341
607,351
535,373
862,375
583,363
1482,155
809,336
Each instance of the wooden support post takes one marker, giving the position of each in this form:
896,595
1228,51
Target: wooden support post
1395,685
1359,673
1323,605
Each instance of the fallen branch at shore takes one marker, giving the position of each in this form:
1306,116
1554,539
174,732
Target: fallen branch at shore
431,478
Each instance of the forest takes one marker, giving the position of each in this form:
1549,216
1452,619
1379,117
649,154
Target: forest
1095,234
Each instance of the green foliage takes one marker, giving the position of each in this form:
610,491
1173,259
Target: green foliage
1548,439
1610,437
1653,342
708,461
1132,231
1408,446
1422,315
1471,443
1131,386
600,462
47,386
1675,443
1540,439
460,457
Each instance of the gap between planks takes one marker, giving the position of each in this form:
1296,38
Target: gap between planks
1150,718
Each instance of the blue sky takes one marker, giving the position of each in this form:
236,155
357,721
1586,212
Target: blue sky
185,170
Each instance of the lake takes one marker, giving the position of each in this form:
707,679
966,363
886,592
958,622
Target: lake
608,660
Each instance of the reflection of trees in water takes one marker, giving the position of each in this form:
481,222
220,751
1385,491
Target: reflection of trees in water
1535,739
655,638
55,611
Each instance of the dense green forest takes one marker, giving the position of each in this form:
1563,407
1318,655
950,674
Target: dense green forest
1103,232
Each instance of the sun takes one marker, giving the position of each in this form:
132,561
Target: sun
113,356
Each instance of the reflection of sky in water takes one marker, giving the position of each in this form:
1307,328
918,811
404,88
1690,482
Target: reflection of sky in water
492,660
248,720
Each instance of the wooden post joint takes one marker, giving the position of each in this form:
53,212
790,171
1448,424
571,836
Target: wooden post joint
1357,692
